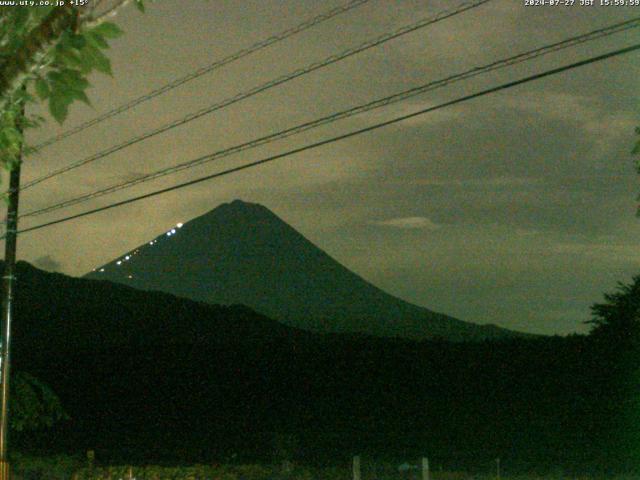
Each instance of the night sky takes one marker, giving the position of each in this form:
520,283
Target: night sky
515,209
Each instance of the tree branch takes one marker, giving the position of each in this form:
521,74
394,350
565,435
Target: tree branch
107,14
16,68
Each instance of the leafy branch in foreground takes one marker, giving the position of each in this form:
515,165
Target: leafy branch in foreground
34,405
47,54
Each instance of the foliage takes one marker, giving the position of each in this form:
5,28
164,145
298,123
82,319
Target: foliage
57,467
54,65
195,472
618,317
617,335
190,382
29,467
33,404
285,446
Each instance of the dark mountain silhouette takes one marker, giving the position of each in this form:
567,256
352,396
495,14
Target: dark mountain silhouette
148,376
57,311
242,253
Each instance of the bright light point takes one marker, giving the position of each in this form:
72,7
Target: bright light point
168,234
130,276
179,225
102,269
127,257
173,230
118,262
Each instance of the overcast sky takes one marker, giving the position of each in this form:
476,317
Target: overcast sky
515,208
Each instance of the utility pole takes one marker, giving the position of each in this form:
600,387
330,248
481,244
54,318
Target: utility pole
425,468
8,285
356,468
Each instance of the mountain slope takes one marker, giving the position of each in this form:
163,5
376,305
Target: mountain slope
242,253
57,311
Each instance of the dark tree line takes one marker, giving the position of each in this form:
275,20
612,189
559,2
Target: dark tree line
151,377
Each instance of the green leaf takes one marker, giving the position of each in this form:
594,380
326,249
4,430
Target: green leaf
107,30
55,76
97,40
80,95
77,41
69,58
91,57
140,5
14,137
85,59
10,141
59,107
42,88
73,79
100,61
64,41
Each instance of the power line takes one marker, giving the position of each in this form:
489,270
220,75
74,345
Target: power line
519,58
370,128
307,24
266,86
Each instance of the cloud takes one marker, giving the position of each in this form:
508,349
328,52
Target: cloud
408,107
410,223
501,181
593,117
622,253
47,262
562,106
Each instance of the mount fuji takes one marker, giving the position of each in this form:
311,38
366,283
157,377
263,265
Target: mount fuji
242,253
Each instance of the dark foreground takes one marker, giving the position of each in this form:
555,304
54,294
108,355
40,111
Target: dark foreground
148,378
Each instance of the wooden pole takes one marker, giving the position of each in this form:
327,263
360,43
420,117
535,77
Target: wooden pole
8,286
356,467
425,468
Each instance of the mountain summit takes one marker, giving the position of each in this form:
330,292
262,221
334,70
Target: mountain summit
242,253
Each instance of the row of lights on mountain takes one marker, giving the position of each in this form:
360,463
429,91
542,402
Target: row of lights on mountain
173,231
